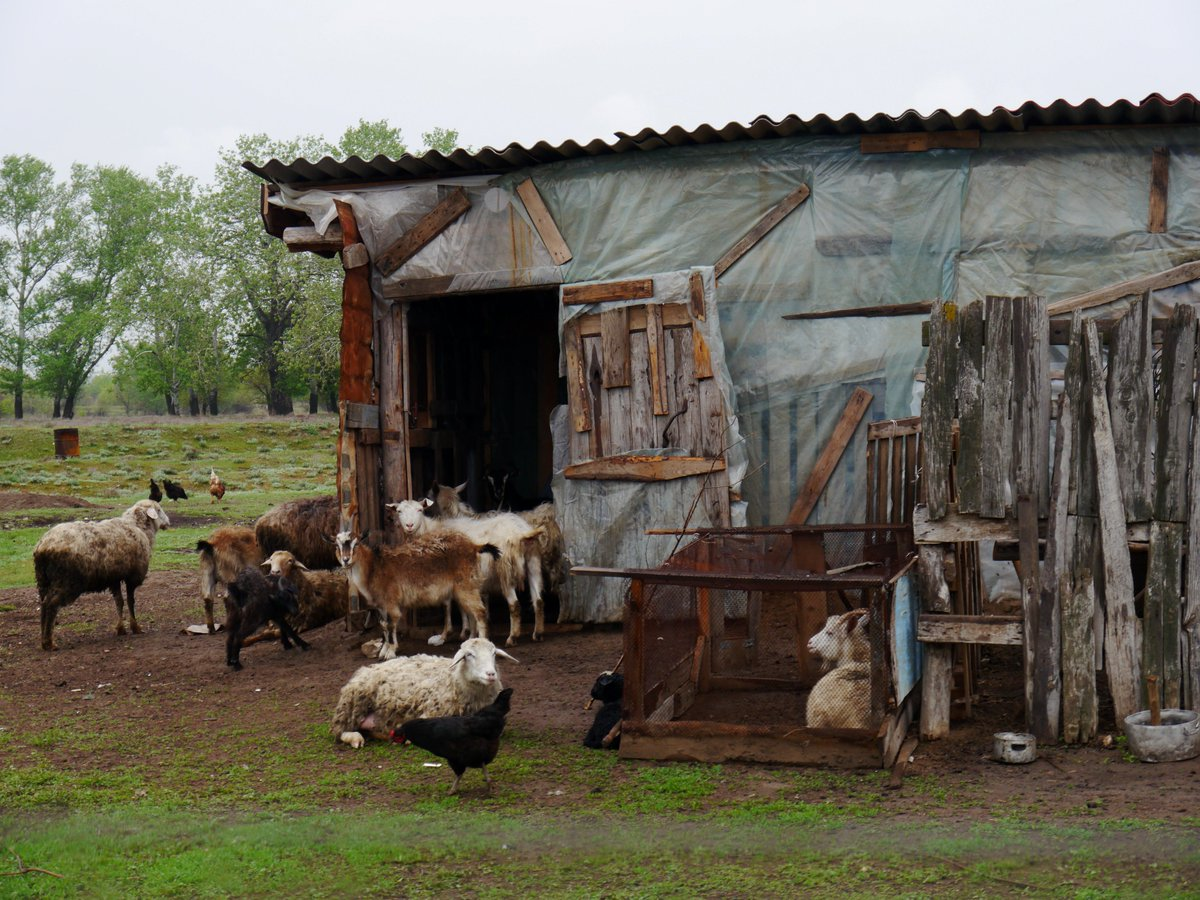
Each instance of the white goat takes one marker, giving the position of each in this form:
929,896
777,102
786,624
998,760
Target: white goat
842,697
382,696
74,558
424,571
519,555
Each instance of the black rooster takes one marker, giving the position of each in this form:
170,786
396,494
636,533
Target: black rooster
174,491
155,491
466,742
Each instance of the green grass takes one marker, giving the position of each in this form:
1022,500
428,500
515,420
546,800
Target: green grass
146,851
262,462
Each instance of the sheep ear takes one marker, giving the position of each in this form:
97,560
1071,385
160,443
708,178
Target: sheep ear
426,503
299,565
265,564
500,652
462,487
151,512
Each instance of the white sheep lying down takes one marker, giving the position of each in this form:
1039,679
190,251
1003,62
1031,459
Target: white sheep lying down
842,697
520,557
74,558
383,696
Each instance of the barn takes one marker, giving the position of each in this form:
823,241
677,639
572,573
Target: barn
699,329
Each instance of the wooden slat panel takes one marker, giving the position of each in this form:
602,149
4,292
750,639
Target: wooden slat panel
1031,594
1121,638
1173,416
995,453
674,315
428,227
1081,494
897,516
614,343
306,238
1031,403
644,468
631,289
1131,402
773,217
712,419
696,296
919,307
918,141
1079,708
843,431
598,444
952,629
1190,662
1156,282
1160,164
543,222
1161,620
701,357
937,407
968,471
641,412
577,389
656,352
684,431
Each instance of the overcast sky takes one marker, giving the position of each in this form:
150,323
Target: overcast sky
145,83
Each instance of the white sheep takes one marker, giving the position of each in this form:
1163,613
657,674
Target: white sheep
842,697
382,696
74,558
423,571
519,554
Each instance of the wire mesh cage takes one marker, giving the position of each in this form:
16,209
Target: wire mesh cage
765,643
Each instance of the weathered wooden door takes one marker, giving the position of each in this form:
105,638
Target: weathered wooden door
648,424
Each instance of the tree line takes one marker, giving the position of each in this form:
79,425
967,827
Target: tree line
173,282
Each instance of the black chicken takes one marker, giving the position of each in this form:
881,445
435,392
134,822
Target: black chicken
155,491
466,742
174,491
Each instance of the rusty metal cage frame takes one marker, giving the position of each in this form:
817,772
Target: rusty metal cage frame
667,606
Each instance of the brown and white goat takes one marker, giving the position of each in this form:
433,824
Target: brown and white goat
422,572
842,697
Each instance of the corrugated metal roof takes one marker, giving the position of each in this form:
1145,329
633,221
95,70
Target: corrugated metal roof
1154,110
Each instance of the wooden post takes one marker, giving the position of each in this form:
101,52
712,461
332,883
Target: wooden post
995,456
358,326
970,408
938,661
393,420
1131,396
937,407
1122,636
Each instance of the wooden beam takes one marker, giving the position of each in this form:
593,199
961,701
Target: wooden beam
306,239
644,468
949,629
427,228
358,327
773,217
608,291
937,407
577,382
696,296
1160,164
843,431
614,347
674,315
543,222
918,141
1189,271
1121,638
919,307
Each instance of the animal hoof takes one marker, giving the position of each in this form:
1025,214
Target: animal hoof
137,629
305,647
537,636
121,628
436,640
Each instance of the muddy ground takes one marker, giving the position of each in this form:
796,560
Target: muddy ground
182,672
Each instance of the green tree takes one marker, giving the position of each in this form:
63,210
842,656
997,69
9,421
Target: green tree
263,284
366,140
37,227
92,300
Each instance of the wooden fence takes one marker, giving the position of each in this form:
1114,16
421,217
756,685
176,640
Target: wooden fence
1109,514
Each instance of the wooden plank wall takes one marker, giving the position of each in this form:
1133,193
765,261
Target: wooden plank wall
1126,458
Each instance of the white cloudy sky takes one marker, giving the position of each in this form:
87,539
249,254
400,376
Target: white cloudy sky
147,82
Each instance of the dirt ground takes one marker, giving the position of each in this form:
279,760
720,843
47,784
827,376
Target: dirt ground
551,680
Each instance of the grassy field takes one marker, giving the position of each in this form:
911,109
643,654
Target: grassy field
262,461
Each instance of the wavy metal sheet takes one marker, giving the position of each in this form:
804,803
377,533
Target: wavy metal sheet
1154,110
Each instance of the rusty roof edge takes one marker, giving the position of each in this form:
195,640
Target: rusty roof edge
1154,109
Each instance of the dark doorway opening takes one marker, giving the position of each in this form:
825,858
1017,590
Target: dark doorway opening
483,381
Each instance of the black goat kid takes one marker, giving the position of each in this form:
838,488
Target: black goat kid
254,600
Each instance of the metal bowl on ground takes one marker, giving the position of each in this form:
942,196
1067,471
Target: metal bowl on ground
1014,747
1176,737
